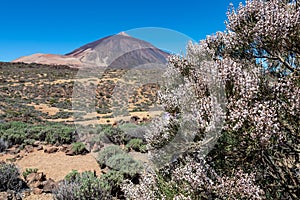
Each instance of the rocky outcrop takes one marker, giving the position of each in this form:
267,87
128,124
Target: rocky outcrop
10,195
51,149
38,183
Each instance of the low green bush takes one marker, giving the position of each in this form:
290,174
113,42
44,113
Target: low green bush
29,171
16,132
72,175
131,131
13,132
111,182
78,148
121,166
137,145
114,134
124,164
84,186
59,133
107,153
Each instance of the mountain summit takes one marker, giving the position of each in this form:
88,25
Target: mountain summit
120,49
123,33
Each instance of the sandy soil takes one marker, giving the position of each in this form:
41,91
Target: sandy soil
56,165
95,118
39,197
45,108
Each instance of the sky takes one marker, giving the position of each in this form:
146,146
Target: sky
60,26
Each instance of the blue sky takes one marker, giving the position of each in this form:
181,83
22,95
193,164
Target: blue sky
60,26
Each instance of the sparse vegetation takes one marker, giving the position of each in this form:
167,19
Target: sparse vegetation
61,115
22,133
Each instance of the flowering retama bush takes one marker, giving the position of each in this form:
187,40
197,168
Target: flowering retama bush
255,65
258,60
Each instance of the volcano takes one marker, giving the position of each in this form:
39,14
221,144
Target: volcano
117,50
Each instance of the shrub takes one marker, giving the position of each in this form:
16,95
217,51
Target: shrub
121,166
59,133
13,132
72,175
78,148
20,132
137,145
29,171
133,131
128,126
29,141
84,186
261,78
115,135
3,145
10,178
111,182
124,164
107,153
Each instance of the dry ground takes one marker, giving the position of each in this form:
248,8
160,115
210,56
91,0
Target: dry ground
55,165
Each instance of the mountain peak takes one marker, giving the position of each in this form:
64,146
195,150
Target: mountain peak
123,33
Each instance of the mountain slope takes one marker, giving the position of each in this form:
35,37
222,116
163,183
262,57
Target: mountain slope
50,59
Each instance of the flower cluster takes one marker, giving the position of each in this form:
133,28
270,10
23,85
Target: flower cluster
239,186
195,180
146,189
